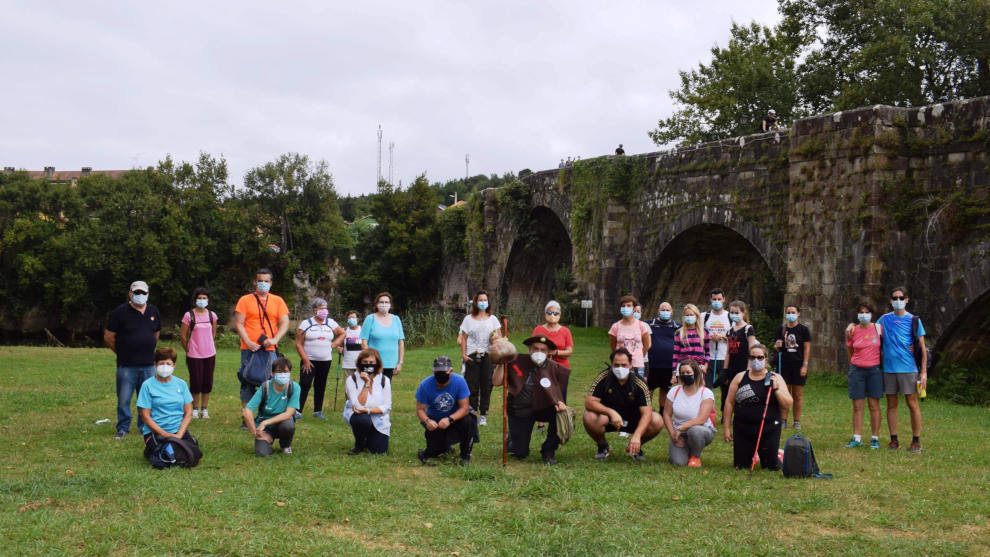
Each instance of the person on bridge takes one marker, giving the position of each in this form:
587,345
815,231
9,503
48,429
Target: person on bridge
905,365
474,336
619,400
689,342
794,344
632,334
740,338
619,150
865,377
716,324
770,122
663,329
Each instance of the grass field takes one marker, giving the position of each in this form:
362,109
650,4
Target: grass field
67,487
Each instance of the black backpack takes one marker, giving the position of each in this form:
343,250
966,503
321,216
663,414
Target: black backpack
799,459
166,452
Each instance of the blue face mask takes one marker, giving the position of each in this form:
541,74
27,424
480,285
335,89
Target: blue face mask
898,304
482,306
665,315
637,314
626,311
140,299
352,321
864,317
282,378
717,305
264,286
201,303
690,319
791,317
735,317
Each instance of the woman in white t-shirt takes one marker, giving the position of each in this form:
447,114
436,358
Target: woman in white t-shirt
474,337
315,340
688,414
352,343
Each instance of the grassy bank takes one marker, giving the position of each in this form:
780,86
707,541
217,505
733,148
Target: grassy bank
65,486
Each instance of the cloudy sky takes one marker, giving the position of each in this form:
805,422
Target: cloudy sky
514,84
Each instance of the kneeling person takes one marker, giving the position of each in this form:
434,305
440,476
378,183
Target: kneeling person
618,401
269,413
689,414
164,403
443,409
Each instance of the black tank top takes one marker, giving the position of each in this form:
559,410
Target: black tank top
751,396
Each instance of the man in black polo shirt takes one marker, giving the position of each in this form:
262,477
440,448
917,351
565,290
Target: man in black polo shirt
663,328
620,401
132,333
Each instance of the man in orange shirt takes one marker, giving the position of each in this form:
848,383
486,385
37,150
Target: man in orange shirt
261,319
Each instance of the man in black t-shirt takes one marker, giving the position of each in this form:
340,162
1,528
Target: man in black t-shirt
620,401
132,333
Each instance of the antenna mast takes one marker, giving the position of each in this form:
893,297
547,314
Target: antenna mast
391,154
379,156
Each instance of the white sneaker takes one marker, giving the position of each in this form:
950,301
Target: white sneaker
204,413
195,413
482,420
623,434
287,450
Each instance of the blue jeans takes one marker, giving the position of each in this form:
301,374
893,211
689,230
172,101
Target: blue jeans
129,379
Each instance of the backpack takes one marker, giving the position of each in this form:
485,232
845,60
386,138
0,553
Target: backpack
799,459
192,319
264,395
258,368
916,350
712,417
166,452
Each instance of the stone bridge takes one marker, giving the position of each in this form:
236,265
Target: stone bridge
837,209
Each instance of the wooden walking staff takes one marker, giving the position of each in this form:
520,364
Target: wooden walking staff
502,351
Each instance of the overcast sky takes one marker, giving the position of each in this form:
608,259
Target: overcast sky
515,84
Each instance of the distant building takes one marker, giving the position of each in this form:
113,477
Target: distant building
68,176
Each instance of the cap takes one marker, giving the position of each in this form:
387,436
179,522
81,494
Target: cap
540,338
139,285
442,363
771,111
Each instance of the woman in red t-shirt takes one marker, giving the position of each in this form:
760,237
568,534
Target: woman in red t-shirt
559,334
863,343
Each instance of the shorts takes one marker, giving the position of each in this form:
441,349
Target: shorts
900,383
792,375
631,424
865,382
659,377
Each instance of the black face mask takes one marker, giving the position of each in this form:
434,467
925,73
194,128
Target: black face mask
368,368
687,380
441,376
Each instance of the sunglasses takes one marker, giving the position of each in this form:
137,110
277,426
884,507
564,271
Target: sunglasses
757,357
138,292
553,313
898,297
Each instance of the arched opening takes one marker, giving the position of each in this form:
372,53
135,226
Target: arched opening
707,256
967,338
540,258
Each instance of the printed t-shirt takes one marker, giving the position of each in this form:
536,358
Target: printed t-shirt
865,343
897,355
441,403
200,334
716,324
352,347
630,337
384,339
738,347
255,323
792,352
319,337
479,333
276,403
686,407
561,338
166,402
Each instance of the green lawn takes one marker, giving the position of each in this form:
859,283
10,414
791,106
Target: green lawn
67,487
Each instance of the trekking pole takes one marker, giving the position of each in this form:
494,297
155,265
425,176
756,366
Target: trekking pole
763,420
505,398
337,383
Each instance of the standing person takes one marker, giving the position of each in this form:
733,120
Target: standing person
740,337
620,401
316,338
632,334
688,413
369,404
352,343
689,342
261,319
794,339
863,343
132,333
536,387
619,150
269,413
744,410
197,336
770,121
474,337
903,334
559,334
164,402
716,324
443,409
663,329
383,332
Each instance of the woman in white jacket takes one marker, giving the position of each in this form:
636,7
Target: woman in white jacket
369,403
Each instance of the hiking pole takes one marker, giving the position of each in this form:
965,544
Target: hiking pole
505,398
767,381
337,383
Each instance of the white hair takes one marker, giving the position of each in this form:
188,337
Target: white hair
552,304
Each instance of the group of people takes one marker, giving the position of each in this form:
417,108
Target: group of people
686,360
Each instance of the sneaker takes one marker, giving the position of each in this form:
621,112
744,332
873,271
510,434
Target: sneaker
287,450
853,443
540,426
482,420
319,415
623,434
894,445
638,457
797,425
915,447
603,453
204,413
244,427
783,424
297,415
422,458
874,443
195,414
355,451
694,462
120,435
465,460
549,460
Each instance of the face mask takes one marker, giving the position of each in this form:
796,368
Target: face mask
690,319
626,311
538,358
864,317
757,365
482,306
791,317
637,314
384,307
368,368
201,303
665,315
283,378
164,370
352,321
264,286
322,313
441,376
735,317
620,372
897,304
687,380
140,299
717,305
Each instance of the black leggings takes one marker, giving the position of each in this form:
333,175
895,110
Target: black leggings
366,436
319,374
744,443
478,374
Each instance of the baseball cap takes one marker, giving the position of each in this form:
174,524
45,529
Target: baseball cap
442,363
139,285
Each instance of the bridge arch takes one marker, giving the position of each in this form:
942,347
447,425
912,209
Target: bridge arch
538,252
967,337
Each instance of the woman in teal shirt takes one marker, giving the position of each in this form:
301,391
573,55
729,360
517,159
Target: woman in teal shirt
383,332
164,402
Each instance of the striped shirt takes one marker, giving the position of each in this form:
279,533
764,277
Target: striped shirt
691,348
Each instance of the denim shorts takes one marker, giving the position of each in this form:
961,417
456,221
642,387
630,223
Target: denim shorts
865,382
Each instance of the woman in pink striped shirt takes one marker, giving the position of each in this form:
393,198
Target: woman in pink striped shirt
863,343
689,340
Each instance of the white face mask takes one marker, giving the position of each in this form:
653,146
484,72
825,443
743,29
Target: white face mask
538,358
384,307
898,304
757,365
620,372
164,370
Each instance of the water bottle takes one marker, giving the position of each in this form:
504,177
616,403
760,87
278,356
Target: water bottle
780,456
169,450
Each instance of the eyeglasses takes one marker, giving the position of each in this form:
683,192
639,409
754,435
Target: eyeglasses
757,357
553,313
141,292
898,297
